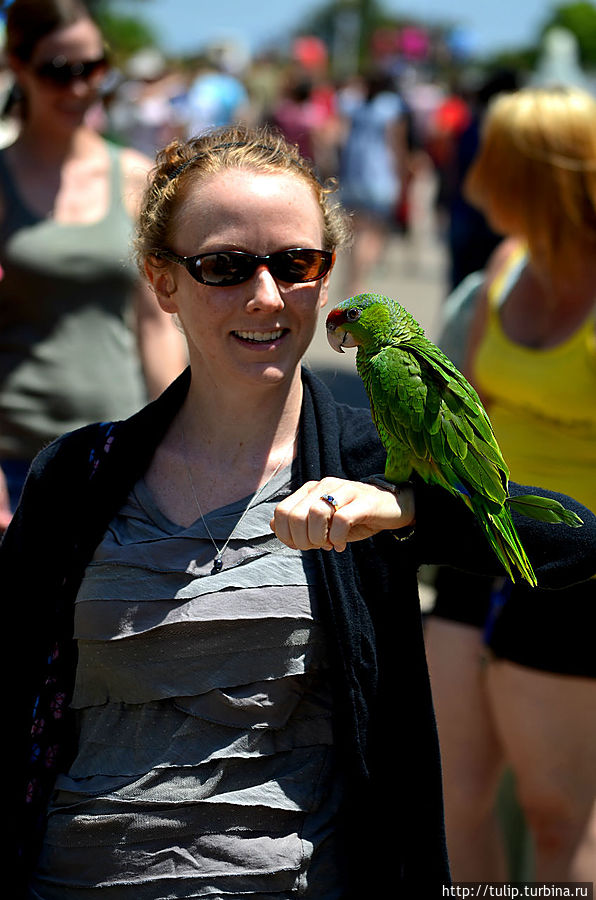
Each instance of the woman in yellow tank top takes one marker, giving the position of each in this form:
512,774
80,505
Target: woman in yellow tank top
542,397
532,356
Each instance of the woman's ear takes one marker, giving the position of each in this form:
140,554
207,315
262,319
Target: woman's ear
161,279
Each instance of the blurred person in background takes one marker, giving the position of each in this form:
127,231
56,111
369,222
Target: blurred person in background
298,117
446,124
514,674
216,96
470,239
146,108
69,289
371,168
306,114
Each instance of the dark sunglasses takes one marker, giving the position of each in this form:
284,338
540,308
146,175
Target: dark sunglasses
61,72
228,267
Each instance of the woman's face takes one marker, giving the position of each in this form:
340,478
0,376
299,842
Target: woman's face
62,104
255,332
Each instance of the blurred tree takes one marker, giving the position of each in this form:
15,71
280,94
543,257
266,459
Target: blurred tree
580,19
363,16
124,33
519,59
348,26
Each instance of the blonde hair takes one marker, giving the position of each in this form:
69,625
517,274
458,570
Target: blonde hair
182,164
536,167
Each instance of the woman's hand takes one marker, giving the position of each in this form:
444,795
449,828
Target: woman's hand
305,521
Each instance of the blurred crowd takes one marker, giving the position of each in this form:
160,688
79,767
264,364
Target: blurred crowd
372,131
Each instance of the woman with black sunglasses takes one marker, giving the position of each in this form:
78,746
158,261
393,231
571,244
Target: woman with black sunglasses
67,200
222,690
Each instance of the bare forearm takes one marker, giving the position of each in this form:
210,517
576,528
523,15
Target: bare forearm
162,347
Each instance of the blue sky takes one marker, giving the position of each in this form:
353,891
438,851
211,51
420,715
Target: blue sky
186,25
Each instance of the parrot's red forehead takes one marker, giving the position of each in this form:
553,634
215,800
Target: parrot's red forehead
336,317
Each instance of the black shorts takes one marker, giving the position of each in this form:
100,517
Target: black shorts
548,630
462,597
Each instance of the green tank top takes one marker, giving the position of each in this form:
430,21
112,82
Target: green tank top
67,353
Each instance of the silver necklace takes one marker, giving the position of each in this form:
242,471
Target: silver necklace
219,551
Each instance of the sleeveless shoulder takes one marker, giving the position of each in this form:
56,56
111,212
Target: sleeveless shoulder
132,173
499,288
116,206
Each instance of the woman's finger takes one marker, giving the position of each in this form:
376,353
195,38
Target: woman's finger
302,520
310,517
280,522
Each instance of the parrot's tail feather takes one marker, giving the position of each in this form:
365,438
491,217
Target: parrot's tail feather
504,540
545,510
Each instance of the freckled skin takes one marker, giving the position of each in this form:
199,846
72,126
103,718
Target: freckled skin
431,421
258,213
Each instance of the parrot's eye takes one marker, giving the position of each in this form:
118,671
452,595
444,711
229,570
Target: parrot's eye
353,315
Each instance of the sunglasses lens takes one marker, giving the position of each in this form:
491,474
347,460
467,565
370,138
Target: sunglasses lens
225,268
234,267
55,74
60,72
299,266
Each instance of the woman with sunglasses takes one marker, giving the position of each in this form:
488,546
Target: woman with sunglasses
220,710
67,200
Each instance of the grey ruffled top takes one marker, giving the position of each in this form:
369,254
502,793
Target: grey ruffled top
206,763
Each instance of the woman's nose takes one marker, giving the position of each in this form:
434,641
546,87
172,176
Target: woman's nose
265,291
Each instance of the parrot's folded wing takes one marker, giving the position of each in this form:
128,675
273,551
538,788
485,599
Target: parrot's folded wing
453,434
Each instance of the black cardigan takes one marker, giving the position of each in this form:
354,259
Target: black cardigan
392,818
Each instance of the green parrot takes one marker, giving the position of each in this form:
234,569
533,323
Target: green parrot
431,421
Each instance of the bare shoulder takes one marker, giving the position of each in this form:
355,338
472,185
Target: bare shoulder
500,256
135,170
135,164
478,323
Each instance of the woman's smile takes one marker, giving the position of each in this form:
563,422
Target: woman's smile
261,340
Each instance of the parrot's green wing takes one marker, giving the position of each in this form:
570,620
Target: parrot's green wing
431,420
429,410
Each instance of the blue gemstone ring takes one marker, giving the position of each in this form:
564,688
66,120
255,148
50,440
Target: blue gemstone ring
330,499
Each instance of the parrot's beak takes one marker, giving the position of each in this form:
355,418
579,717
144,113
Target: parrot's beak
339,338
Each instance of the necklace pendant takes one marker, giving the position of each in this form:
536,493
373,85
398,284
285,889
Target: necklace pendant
217,562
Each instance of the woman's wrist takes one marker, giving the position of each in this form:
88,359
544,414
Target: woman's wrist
404,495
